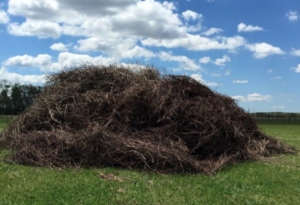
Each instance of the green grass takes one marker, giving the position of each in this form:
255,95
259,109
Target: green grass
246,183
3,122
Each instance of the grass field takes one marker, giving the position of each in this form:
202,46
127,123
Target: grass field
275,182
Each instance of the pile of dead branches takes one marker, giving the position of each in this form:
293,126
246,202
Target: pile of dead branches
135,118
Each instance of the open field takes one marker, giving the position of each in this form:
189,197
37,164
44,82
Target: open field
274,182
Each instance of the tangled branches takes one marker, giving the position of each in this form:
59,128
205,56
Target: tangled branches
135,118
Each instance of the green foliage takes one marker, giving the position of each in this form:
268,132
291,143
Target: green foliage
275,182
15,98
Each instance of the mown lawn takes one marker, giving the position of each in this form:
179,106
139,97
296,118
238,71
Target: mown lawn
276,182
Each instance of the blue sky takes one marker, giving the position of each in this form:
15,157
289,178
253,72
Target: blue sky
249,49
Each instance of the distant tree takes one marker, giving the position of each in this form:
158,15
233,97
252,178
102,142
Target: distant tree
30,93
15,98
5,101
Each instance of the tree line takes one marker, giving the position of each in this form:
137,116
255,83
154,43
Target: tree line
15,98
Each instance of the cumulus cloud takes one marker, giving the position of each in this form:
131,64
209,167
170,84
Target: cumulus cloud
119,48
219,61
263,50
185,62
41,29
147,18
4,18
137,51
191,15
292,15
121,29
252,97
258,97
204,60
296,69
68,60
29,61
98,7
222,61
248,28
240,81
109,24
65,60
281,107
59,47
104,45
17,78
198,77
295,52
33,9
212,31
198,43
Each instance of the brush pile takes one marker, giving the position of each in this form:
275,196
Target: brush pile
135,118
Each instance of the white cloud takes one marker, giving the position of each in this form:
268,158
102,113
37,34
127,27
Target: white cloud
4,19
262,50
292,15
185,62
212,31
295,52
277,78
259,97
191,15
33,9
244,28
29,61
104,45
137,51
219,61
41,29
99,7
199,78
270,71
119,48
222,61
239,98
297,69
65,60
117,24
227,72
59,47
148,18
204,60
253,97
198,43
17,78
115,18
281,107
69,60
240,81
